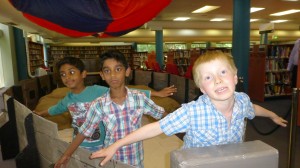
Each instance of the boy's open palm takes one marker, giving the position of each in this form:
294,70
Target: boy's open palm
106,153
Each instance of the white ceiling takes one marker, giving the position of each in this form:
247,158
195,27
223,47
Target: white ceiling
198,28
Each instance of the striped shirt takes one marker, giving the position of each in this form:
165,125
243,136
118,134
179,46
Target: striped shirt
205,125
120,121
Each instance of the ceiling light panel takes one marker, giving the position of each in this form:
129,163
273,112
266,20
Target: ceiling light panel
278,21
285,12
255,9
253,20
181,19
205,9
217,19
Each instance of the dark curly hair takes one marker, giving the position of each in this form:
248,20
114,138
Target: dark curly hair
72,61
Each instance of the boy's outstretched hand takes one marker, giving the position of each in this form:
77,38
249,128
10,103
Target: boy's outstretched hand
62,162
106,153
165,92
280,121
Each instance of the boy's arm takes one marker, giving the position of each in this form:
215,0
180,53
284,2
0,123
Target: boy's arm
42,113
260,111
145,132
165,92
70,150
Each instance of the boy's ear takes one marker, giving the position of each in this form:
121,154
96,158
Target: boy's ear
236,79
128,71
102,76
83,74
202,90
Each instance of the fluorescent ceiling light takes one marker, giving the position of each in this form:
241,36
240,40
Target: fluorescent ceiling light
285,12
181,19
279,21
205,9
255,9
217,19
253,20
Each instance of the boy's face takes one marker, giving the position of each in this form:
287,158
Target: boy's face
71,76
217,80
114,73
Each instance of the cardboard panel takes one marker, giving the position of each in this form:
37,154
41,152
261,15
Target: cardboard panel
45,163
49,146
44,85
30,92
246,155
21,113
142,77
80,158
92,80
160,80
193,90
179,82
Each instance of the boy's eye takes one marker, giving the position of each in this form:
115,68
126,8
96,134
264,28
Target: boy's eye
62,74
106,71
119,69
207,78
72,72
223,72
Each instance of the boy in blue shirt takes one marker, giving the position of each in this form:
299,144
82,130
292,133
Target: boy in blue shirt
217,117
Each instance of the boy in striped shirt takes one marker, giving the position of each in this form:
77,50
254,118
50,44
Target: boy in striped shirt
120,109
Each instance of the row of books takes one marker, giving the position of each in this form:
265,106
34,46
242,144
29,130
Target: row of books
279,51
273,90
276,64
277,78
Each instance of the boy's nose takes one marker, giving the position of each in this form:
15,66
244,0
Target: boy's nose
218,80
113,73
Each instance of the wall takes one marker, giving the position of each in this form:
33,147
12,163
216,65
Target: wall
8,68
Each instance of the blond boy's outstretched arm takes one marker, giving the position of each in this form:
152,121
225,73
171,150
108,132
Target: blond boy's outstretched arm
145,132
260,111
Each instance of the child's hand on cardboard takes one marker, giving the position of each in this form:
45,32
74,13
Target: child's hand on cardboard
106,153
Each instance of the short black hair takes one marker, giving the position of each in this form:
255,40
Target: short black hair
113,54
76,62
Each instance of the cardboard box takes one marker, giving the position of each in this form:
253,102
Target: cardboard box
241,155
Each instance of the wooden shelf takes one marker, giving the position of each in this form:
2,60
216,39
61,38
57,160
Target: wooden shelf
36,56
57,52
268,76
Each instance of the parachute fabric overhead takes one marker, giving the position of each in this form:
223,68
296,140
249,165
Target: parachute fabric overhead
100,18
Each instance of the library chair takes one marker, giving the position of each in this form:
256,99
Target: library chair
172,69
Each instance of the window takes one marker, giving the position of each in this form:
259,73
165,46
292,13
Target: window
146,48
1,71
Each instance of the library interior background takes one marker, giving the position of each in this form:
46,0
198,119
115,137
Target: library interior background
161,41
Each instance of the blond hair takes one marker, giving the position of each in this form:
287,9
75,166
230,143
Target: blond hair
210,56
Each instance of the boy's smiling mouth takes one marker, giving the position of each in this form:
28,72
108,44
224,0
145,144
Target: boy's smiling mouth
222,89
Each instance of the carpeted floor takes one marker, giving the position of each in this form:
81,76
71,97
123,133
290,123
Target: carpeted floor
265,130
